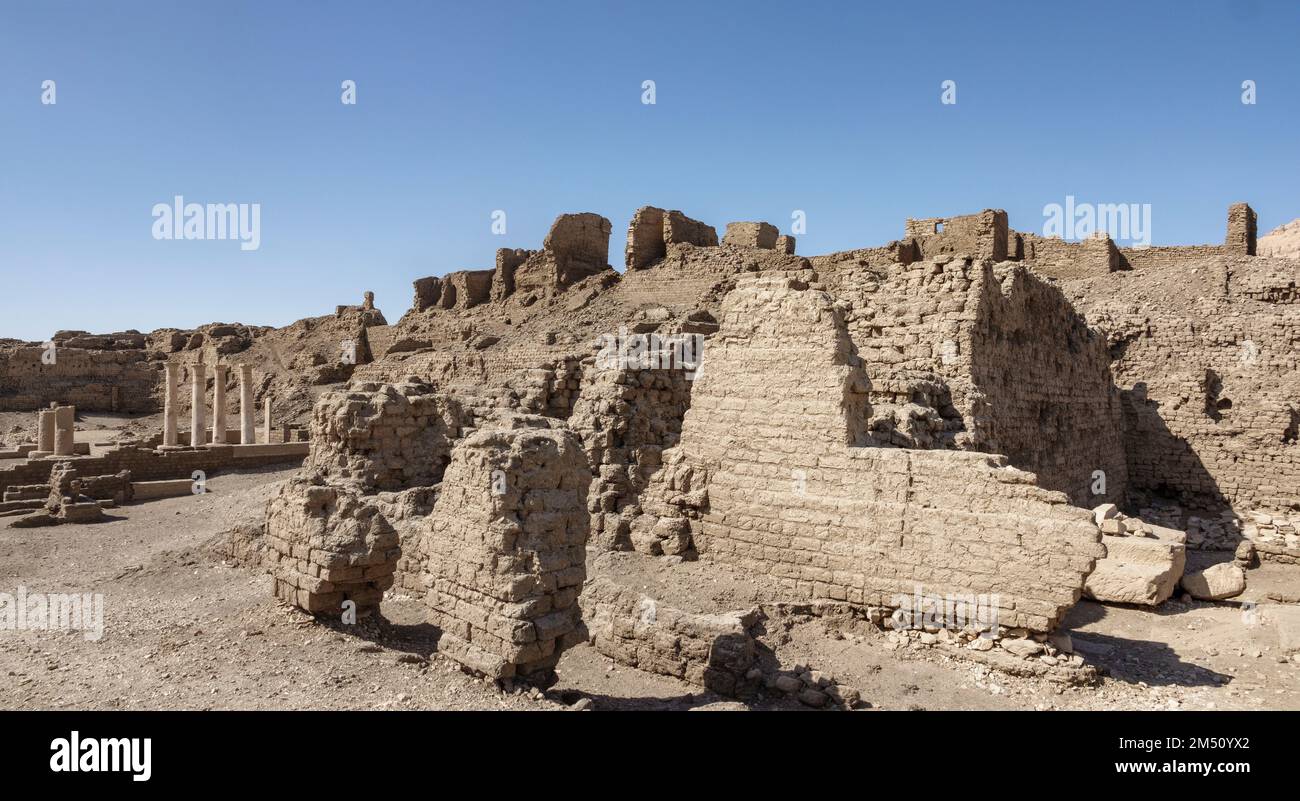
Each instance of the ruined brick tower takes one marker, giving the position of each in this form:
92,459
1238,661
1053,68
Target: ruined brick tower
1241,229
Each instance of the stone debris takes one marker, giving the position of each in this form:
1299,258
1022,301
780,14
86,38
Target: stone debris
1143,562
1216,582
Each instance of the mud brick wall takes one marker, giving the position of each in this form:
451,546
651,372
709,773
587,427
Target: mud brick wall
652,230
351,524
470,287
92,379
326,545
384,436
773,426
1207,359
983,236
407,511
751,235
1045,388
576,246
503,278
988,358
711,651
428,291
1057,258
1242,230
626,419
1172,257
505,549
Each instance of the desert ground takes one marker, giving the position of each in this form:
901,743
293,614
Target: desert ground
186,629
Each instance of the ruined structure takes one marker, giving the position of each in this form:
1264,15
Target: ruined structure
944,411
490,528
1001,419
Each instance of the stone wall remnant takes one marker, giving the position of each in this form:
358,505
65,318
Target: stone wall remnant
652,230
751,235
773,475
506,548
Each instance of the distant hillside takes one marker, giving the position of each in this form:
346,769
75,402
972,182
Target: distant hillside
1281,241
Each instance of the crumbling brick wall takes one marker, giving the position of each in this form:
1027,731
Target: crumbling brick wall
384,436
325,544
428,292
109,373
471,287
576,246
778,484
751,235
341,530
715,651
1048,397
1242,230
490,529
652,230
966,354
503,278
626,418
506,547
1205,356
1057,258
983,235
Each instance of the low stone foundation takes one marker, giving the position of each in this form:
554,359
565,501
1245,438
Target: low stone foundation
712,651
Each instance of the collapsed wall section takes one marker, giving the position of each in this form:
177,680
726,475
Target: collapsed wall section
626,418
490,529
965,354
777,483
339,530
327,544
384,436
652,230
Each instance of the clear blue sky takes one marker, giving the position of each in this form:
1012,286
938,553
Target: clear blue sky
535,108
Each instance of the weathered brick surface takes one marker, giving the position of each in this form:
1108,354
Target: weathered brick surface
626,418
715,651
1206,361
505,549
984,235
108,373
652,230
780,484
384,436
751,235
961,353
327,544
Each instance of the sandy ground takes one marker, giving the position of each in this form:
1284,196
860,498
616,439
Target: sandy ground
184,630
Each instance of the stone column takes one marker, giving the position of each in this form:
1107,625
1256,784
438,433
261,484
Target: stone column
171,383
64,417
219,404
247,432
45,423
198,391
266,423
